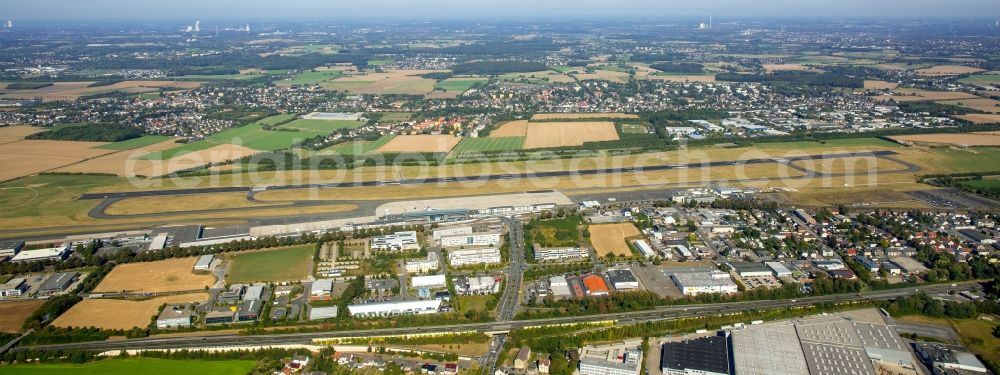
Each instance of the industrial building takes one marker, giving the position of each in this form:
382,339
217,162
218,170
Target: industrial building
476,285
54,253
430,281
15,287
11,248
320,313
450,231
432,263
57,283
545,254
942,358
768,349
220,317
622,280
482,255
644,248
595,286
623,358
396,241
829,264
321,290
175,316
471,239
779,269
693,283
254,293
377,309
751,269
204,263
559,287
249,310
702,356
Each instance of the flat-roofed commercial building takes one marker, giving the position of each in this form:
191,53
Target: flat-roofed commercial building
779,269
482,255
693,283
702,356
546,254
768,349
396,241
204,262
321,290
53,253
624,358
15,287
11,248
58,283
595,286
430,281
450,231
175,316
432,263
472,239
622,280
377,309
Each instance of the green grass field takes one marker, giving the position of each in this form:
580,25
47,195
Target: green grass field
982,78
152,366
380,61
976,334
48,198
357,148
327,126
253,136
553,233
832,143
992,183
634,129
488,144
459,84
395,116
287,264
135,142
959,161
216,77
311,77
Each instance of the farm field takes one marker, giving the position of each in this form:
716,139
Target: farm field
134,143
357,147
983,104
562,134
420,143
394,116
706,78
553,233
317,125
959,139
403,82
151,366
990,78
170,275
488,144
460,84
916,95
311,77
14,313
610,238
880,85
518,128
119,314
241,141
74,90
578,116
770,68
289,264
547,76
947,70
17,132
27,157
131,162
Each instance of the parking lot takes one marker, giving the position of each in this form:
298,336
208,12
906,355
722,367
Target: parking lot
656,280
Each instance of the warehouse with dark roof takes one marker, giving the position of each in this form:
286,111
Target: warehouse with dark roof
706,355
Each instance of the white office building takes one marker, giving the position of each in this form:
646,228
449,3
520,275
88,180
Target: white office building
450,231
546,254
693,283
432,263
432,281
395,308
396,241
472,239
55,253
483,255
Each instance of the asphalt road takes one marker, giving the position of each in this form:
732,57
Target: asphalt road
660,313
509,301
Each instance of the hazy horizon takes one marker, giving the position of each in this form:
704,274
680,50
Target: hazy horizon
493,9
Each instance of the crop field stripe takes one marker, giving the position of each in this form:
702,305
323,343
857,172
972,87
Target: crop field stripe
489,144
153,366
134,143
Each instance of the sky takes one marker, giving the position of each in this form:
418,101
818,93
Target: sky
490,9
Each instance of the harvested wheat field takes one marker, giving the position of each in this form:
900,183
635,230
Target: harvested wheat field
404,82
74,90
770,68
577,116
704,78
916,95
603,75
981,118
28,157
948,70
561,134
420,143
14,313
610,238
517,128
14,133
981,104
120,314
131,162
960,139
171,275
871,84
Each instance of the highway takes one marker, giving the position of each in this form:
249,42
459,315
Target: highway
660,313
509,301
